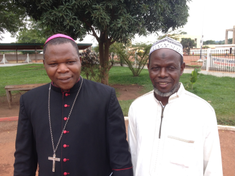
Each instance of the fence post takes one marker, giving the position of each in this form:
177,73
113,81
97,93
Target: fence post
27,60
4,60
208,59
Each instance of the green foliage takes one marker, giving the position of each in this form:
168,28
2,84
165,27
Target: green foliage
91,65
193,79
205,47
29,36
194,76
219,92
210,88
113,51
209,42
96,49
116,48
32,33
125,104
118,19
11,17
187,44
108,21
172,34
230,41
220,42
135,58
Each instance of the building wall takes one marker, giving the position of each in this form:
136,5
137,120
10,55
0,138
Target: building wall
21,57
196,38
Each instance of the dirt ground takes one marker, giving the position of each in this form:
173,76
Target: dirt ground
8,133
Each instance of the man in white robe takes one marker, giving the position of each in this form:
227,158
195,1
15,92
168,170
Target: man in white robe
172,131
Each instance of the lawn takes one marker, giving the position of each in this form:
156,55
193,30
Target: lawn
218,91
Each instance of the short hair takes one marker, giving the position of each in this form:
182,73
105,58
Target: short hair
58,41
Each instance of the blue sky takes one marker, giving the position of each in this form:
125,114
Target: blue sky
208,17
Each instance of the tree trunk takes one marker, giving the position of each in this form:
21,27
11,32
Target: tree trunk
104,61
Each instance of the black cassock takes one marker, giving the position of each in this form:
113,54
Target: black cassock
93,144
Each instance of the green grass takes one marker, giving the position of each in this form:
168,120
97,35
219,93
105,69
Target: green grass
24,74
218,91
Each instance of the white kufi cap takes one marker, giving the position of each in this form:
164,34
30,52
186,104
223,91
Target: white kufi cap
169,43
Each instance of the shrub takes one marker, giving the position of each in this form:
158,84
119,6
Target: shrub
135,58
91,65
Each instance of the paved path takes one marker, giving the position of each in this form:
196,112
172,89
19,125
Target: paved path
5,119
214,73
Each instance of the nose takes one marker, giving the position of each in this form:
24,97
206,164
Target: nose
163,73
63,68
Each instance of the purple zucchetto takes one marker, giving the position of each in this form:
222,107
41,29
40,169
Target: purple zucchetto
58,36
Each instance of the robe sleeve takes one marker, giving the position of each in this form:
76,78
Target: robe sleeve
119,155
25,154
212,152
132,137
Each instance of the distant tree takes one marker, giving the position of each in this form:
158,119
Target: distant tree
33,32
220,42
188,43
172,34
209,42
11,17
108,21
230,41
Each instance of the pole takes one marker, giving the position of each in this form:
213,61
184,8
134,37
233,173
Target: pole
16,56
201,43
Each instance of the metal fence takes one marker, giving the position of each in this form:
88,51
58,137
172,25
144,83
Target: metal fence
212,59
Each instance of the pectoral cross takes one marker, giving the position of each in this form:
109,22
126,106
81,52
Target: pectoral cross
53,159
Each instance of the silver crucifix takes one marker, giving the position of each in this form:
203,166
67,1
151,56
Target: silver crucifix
53,159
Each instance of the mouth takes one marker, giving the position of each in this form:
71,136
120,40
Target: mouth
163,84
64,79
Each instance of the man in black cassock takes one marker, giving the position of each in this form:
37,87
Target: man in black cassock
71,126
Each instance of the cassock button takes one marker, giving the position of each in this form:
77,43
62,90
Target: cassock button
65,132
66,105
65,159
66,173
67,94
65,145
65,118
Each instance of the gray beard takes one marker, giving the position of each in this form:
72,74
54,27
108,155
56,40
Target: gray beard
167,94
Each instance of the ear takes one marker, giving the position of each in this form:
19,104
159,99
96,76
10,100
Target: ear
182,68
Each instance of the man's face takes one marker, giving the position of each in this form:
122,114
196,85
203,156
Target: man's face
165,70
63,65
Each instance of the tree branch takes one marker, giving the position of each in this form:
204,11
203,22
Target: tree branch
110,40
92,29
94,33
